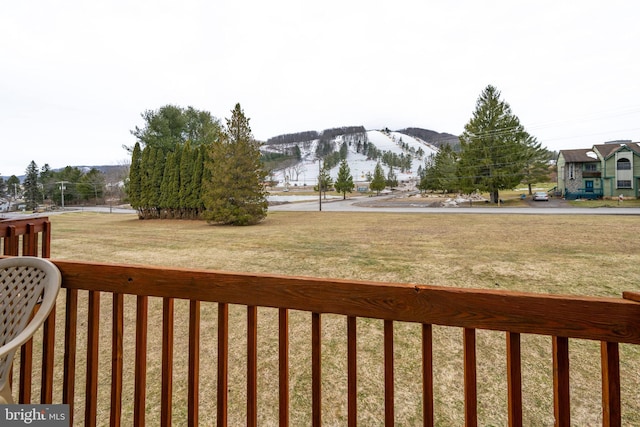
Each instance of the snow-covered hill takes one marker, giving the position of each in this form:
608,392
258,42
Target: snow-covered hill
306,171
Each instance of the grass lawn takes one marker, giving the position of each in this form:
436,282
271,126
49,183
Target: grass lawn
584,255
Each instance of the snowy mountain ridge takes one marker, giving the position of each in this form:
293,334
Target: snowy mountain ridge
305,171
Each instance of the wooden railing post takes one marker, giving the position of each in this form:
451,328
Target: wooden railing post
352,372
194,362
70,335
30,241
223,364
610,365
316,369
427,375
514,379
116,359
46,239
167,361
48,345
470,384
11,241
389,392
561,401
283,365
140,390
252,366
93,339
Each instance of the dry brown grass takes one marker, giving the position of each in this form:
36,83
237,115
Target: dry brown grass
586,255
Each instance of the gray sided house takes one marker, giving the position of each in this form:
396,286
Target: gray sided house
606,170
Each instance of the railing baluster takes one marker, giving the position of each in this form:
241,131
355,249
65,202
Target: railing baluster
389,407
30,241
470,386
252,366
140,386
611,411
427,375
29,248
167,362
70,335
93,338
11,244
561,402
352,371
48,333
223,363
26,365
316,369
46,239
116,359
283,363
514,379
194,362
48,345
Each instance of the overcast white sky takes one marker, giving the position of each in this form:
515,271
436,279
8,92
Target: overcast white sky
75,75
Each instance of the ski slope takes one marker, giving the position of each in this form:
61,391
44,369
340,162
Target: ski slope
306,172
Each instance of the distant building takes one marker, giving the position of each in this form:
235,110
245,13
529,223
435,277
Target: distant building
607,170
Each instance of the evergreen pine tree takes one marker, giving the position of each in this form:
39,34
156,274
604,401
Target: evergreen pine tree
146,186
344,182
30,184
14,189
134,186
441,173
536,167
392,179
493,147
47,182
324,180
195,202
186,179
234,193
344,150
157,172
170,188
378,181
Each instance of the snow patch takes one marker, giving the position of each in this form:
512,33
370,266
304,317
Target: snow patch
306,171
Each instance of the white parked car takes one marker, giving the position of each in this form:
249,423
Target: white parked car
540,196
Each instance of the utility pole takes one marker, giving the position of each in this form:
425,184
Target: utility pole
320,183
62,188
109,185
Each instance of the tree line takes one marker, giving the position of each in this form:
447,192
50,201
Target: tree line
292,138
186,165
68,186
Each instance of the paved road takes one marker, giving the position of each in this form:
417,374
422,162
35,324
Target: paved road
357,204
385,204
104,209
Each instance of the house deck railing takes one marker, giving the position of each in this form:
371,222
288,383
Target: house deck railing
583,193
610,321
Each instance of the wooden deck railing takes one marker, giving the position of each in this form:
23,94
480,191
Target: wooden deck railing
610,321
30,236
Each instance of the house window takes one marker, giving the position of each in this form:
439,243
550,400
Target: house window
623,165
590,167
624,183
572,171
